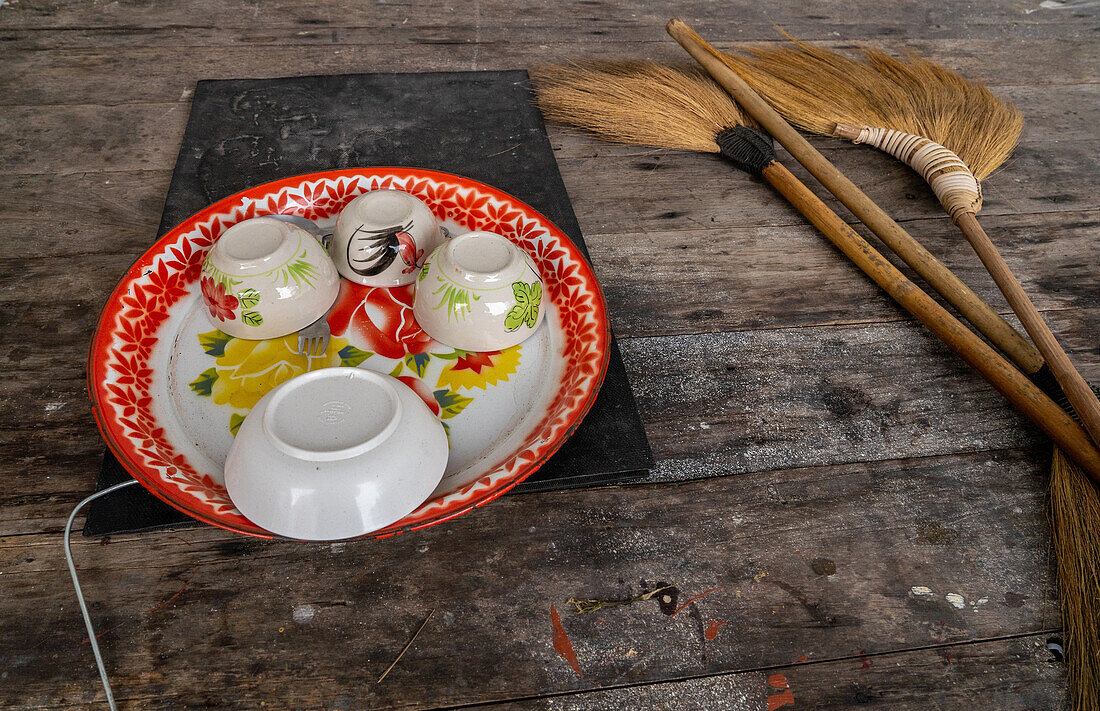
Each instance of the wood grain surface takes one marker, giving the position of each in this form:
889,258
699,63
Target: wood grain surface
864,519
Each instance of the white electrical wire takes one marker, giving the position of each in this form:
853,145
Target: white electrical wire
80,595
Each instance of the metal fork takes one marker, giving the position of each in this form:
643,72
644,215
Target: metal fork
313,339
309,226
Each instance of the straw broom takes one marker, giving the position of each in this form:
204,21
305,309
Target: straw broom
953,132
1075,502
651,104
903,106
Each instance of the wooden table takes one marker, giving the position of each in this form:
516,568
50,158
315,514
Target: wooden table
879,539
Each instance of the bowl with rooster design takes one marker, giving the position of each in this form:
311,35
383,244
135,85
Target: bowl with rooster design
383,237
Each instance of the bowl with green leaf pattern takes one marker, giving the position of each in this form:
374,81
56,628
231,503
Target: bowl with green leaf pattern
479,292
266,278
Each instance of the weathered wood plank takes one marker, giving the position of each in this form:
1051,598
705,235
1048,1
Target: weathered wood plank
695,281
822,563
590,20
712,404
204,617
1009,675
144,136
617,189
740,402
82,213
658,283
101,75
78,139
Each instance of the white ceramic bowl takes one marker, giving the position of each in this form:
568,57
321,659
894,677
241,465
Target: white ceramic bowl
479,292
266,278
382,238
335,453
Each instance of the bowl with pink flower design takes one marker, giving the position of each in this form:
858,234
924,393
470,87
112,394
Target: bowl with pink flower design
266,278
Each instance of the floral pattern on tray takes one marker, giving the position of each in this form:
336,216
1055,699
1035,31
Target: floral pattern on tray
121,371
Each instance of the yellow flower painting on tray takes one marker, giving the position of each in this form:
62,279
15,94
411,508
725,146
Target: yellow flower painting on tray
479,370
246,370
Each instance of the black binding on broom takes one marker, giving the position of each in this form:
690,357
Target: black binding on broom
1044,379
750,149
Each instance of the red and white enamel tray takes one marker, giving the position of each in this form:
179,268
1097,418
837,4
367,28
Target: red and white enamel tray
169,389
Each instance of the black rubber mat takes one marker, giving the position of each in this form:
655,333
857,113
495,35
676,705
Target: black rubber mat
483,125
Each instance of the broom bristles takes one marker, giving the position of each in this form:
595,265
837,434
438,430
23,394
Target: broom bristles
638,102
1075,518
816,88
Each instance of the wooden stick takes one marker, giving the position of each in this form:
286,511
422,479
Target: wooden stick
1078,392
406,647
1009,381
958,294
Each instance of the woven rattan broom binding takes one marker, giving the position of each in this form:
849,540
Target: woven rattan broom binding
951,180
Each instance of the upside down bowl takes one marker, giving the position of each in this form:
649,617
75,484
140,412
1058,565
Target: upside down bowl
335,453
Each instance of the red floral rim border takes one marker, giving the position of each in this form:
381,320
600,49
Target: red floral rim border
120,372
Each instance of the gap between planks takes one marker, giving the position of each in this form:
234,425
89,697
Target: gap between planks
81,542
144,698
750,670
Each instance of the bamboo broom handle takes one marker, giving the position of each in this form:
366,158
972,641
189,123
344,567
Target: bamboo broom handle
1010,382
942,279
1078,392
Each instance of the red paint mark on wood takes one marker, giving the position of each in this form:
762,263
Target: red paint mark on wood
177,538
178,592
693,599
803,658
865,662
712,630
562,645
112,629
775,701
779,700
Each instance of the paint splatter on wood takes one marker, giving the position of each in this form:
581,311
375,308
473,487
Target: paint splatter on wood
174,596
783,698
562,645
712,629
692,599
